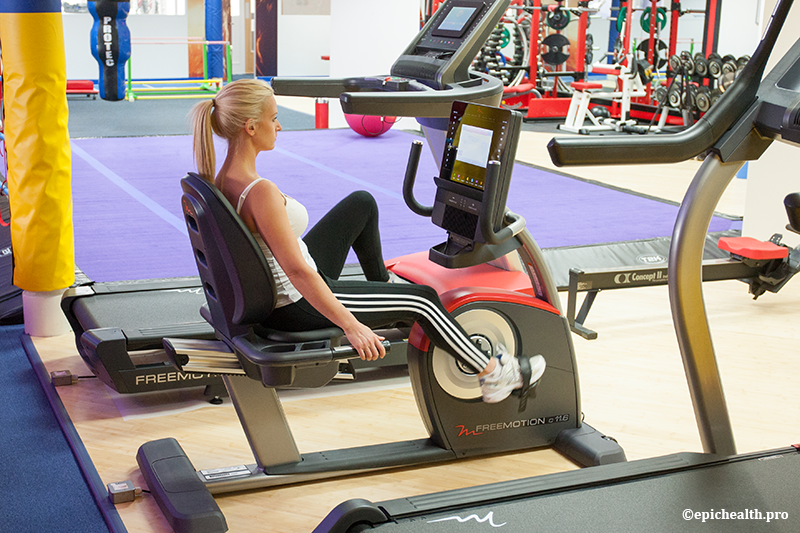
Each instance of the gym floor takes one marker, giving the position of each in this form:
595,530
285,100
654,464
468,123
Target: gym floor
632,385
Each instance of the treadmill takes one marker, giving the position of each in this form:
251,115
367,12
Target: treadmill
716,490
119,326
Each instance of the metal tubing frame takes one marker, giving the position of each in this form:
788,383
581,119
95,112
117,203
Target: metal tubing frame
203,92
688,307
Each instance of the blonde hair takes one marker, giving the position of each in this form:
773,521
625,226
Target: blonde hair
225,115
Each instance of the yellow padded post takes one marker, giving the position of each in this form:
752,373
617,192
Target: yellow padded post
37,142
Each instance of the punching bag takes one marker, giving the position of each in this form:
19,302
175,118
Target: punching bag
214,56
39,157
111,45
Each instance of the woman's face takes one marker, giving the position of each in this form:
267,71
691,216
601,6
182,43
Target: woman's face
267,128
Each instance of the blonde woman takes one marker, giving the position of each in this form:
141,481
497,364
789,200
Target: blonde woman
306,269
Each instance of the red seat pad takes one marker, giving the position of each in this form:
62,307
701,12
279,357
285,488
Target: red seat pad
81,86
752,248
582,85
523,88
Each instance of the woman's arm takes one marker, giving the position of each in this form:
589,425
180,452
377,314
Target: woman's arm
265,209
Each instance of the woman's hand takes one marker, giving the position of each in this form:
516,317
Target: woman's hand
366,342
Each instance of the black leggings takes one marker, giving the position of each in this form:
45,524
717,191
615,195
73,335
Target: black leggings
354,223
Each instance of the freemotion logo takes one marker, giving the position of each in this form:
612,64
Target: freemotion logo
489,518
480,429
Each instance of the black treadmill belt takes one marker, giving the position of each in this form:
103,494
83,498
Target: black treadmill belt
756,493
147,309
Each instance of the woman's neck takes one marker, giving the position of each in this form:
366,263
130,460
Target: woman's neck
240,161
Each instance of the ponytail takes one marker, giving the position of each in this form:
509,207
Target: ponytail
225,115
203,146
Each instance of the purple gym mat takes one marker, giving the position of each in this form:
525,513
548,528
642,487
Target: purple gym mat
128,224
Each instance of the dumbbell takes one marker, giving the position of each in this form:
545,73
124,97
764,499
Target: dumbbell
714,65
661,95
700,65
688,62
674,95
675,63
703,99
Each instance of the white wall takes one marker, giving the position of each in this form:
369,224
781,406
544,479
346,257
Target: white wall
147,60
740,27
367,37
302,41
774,175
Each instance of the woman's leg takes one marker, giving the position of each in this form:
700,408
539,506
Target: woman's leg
380,304
352,223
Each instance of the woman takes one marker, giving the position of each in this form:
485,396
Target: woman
306,270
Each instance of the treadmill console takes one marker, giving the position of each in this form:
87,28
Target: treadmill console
444,49
477,134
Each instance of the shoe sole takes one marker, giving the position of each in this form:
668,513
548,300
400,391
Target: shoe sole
536,376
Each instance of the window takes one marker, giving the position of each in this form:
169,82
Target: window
137,7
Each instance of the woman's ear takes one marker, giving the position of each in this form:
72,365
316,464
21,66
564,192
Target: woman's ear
250,127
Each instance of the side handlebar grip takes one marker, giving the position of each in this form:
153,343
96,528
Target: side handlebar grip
410,179
639,150
488,210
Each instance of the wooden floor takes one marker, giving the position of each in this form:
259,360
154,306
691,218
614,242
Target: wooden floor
632,384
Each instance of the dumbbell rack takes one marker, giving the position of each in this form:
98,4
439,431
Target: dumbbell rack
539,98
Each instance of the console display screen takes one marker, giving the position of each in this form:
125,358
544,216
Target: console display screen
457,19
477,137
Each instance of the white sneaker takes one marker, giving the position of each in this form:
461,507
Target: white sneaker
507,376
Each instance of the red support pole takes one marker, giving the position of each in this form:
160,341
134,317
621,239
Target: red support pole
651,49
673,27
580,47
626,43
533,63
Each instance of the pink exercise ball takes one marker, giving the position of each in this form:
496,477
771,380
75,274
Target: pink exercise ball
368,125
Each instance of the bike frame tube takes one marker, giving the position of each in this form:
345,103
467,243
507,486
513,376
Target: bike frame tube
688,306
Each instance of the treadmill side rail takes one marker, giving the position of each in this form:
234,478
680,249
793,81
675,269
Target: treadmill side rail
350,513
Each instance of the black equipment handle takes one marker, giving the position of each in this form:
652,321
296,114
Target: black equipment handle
695,140
386,96
488,211
411,178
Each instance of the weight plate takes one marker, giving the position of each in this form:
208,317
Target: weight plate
661,95
703,101
558,19
554,49
687,62
714,68
660,51
729,66
674,97
701,66
661,19
506,38
674,63
589,40
623,12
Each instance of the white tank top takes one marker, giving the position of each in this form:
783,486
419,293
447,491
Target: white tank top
298,220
